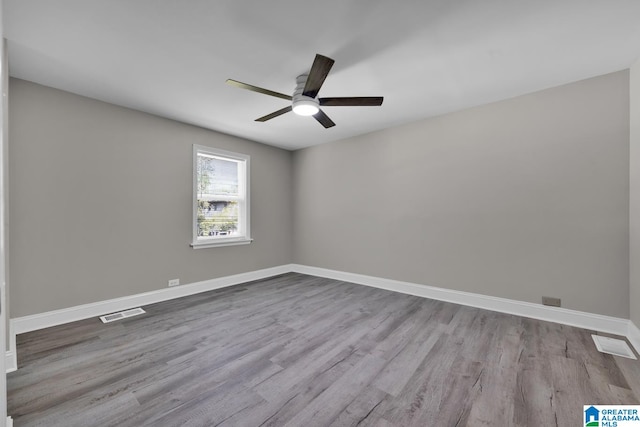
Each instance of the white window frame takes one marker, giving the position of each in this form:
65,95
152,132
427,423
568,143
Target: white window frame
244,223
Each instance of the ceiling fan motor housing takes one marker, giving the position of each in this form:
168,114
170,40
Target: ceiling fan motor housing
303,105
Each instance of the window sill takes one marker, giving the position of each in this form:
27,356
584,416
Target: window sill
221,242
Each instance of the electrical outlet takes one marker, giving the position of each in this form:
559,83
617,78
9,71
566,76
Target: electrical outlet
553,302
174,282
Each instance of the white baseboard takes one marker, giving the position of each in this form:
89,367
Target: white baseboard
581,319
11,361
48,319
633,335
595,322
9,422
85,311
11,357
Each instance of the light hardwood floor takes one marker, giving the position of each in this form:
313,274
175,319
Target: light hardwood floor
298,350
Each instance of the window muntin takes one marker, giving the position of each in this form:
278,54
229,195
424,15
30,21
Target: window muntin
221,197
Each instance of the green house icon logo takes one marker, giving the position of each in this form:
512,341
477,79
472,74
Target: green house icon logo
592,417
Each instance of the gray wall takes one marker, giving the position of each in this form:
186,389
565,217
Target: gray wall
518,199
634,294
100,202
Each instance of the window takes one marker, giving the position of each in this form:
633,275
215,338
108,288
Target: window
220,198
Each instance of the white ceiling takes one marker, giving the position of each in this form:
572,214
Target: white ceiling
426,57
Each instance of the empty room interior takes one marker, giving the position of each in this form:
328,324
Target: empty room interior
346,213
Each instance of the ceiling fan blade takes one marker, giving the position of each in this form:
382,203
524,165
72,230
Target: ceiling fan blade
324,120
317,74
274,114
258,89
354,101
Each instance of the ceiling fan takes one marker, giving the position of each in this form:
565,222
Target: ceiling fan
304,101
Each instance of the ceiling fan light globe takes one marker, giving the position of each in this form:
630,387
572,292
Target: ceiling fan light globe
305,107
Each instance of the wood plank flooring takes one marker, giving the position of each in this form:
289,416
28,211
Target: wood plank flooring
297,350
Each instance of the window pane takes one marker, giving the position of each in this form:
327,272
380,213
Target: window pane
216,176
217,218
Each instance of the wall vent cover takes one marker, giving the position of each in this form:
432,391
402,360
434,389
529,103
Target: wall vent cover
107,318
613,346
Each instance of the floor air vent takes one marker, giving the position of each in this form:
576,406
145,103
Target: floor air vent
613,346
121,315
